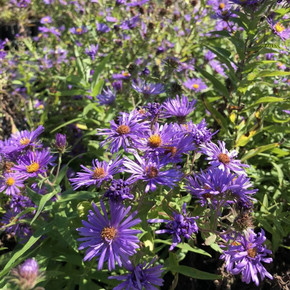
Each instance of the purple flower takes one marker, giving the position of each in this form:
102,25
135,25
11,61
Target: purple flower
154,111
122,76
130,23
217,186
10,183
118,191
107,97
33,163
25,139
102,27
126,133
195,84
220,157
245,255
46,19
217,67
92,51
245,2
78,30
109,239
101,171
179,226
26,275
148,89
143,276
133,3
199,132
179,108
279,29
60,142
150,172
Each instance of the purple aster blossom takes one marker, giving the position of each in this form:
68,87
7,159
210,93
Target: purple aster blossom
118,86
281,66
52,30
195,84
270,56
78,30
279,29
107,97
216,186
153,111
19,202
122,76
217,67
286,111
101,171
125,133
199,132
179,226
245,2
10,183
148,89
245,255
25,139
143,276
134,3
21,230
179,108
109,239
150,172
26,275
209,55
92,51
20,3
130,23
103,28
33,163
60,142
220,157
185,66
46,19
118,191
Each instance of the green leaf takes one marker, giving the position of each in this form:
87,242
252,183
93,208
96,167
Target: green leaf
218,85
65,124
193,273
76,195
258,150
98,71
97,88
43,201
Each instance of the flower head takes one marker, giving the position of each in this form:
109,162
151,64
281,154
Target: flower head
179,226
101,171
92,51
107,97
109,239
196,85
220,157
118,191
245,255
148,89
11,182
143,276
60,142
279,29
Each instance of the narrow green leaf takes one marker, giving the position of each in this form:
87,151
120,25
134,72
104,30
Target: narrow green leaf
258,150
65,124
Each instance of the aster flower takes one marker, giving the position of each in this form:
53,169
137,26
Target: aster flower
126,133
122,76
101,171
199,132
279,29
24,139
130,23
143,276
46,19
150,172
107,97
148,89
220,157
245,255
195,84
33,163
103,28
27,275
216,185
245,2
78,30
109,239
179,108
153,111
92,51
217,67
60,142
10,183
119,190
179,226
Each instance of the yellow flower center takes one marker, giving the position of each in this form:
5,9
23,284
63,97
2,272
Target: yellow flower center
123,129
10,181
224,158
151,171
99,173
125,74
108,233
195,86
252,252
24,141
170,149
279,27
235,243
222,6
155,141
33,167
79,30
